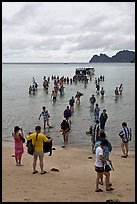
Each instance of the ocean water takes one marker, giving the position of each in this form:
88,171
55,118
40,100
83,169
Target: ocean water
23,109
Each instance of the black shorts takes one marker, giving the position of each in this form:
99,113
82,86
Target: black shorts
125,141
99,169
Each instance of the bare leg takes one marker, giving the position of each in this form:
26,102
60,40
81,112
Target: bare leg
44,124
66,137
101,180
126,148
35,162
107,174
99,175
63,136
20,161
17,162
41,163
123,148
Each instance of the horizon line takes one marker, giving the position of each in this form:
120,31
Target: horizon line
43,62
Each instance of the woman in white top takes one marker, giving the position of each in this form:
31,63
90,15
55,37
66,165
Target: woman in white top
100,169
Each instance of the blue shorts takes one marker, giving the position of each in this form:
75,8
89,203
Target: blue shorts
40,154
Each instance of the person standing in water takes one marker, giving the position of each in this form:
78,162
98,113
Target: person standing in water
116,91
92,101
120,89
96,111
65,130
103,119
102,91
77,96
71,103
46,117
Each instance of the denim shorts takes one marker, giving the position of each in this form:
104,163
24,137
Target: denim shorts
40,154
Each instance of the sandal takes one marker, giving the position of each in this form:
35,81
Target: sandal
44,172
110,189
99,190
34,172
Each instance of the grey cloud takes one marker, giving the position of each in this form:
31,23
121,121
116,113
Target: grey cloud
38,27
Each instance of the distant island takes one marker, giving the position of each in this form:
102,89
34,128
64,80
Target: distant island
122,56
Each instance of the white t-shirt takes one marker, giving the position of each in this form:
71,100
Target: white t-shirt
98,162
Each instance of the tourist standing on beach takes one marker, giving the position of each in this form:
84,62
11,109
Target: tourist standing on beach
125,135
65,130
106,151
103,118
99,168
37,140
18,144
45,116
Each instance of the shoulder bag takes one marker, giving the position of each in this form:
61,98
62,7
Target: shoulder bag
30,146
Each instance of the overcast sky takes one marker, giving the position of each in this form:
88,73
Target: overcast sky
66,31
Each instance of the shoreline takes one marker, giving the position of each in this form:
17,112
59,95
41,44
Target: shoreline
114,148
75,181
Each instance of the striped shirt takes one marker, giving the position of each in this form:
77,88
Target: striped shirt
125,134
96,130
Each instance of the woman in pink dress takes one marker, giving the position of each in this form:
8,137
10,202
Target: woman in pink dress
19,149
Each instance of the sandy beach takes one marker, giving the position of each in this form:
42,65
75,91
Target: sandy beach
75,181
